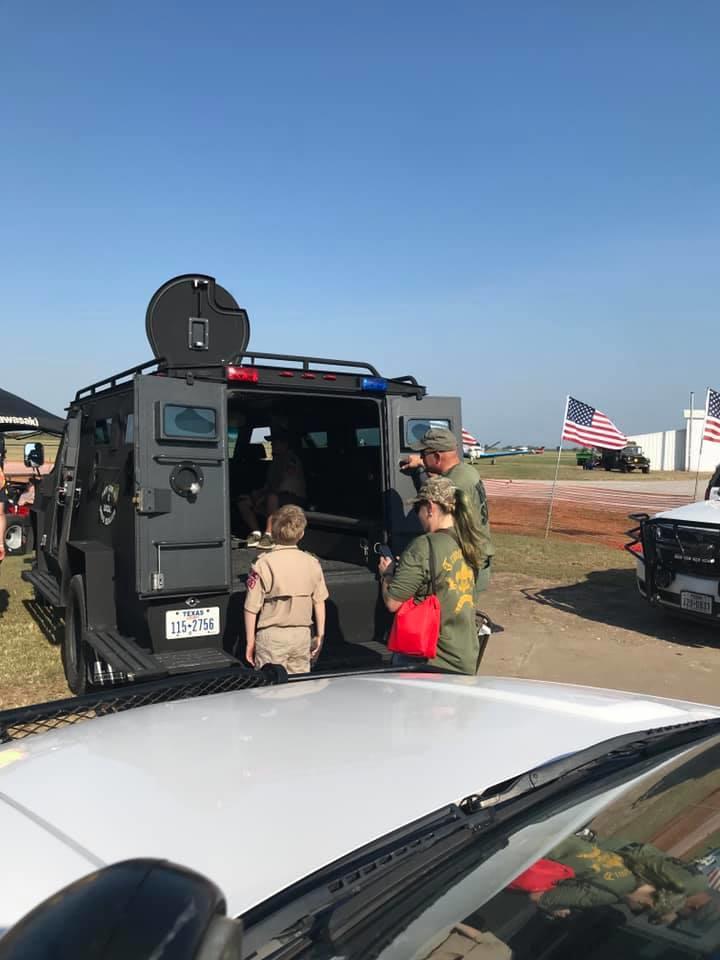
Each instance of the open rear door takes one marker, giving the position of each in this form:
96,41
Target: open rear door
408,420
182,521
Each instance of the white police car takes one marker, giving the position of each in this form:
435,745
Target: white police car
380,814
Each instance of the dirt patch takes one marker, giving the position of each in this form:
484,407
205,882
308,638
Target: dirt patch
570,521
598,631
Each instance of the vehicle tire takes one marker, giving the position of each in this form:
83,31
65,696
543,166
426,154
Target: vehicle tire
19,537
646,469
74,649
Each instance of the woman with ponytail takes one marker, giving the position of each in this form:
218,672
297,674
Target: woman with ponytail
457,545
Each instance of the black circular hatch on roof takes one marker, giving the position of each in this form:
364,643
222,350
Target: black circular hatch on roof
192,321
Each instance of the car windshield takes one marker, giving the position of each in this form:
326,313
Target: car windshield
626,868
633,451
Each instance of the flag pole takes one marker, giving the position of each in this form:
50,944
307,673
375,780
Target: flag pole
702,438
557,470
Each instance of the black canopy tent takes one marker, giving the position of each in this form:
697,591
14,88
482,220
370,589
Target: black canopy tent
17,414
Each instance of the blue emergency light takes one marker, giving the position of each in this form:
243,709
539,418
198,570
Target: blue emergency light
374,384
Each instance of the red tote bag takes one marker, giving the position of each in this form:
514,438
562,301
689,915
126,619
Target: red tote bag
416,626
542,876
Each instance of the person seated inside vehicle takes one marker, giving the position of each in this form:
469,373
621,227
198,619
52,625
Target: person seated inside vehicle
285,484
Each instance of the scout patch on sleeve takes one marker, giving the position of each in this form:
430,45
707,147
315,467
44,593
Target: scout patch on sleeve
252,579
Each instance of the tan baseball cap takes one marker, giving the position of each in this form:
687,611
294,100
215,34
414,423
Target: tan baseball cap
438,440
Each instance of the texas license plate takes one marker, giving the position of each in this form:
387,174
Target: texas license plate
697,602
196,622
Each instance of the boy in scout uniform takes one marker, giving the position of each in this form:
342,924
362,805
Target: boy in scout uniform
285,591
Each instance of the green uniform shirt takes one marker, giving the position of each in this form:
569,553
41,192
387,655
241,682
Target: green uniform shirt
604,875
601,877
458,646
466,478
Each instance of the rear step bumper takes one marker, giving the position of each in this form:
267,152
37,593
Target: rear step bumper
125,657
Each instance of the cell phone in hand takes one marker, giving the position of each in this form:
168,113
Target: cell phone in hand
382,550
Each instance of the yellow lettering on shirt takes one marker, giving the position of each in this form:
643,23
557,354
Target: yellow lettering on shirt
610,865
459,579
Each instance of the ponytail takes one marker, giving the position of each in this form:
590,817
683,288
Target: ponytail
470,534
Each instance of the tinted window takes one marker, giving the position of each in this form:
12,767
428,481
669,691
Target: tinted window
130,428
315,440
103,431
192,423
367,437
416,429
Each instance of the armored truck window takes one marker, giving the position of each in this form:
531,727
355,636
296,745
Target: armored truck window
188,423
367,437
103,431
413,430
130,428
315,440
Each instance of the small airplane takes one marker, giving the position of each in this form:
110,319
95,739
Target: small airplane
474,450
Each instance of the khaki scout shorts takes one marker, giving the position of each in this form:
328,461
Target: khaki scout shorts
288,646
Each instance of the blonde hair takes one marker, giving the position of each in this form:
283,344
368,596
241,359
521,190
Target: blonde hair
288,525
470,534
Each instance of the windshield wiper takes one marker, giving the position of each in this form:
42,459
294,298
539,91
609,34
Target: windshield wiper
599,760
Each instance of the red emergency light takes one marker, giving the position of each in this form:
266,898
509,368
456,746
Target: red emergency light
242,374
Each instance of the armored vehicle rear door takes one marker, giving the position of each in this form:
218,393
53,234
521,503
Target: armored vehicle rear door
182,526
408,419
57,500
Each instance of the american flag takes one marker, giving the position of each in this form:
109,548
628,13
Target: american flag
468,440
584,424
712,417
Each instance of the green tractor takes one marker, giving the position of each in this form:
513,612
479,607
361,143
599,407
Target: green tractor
587,458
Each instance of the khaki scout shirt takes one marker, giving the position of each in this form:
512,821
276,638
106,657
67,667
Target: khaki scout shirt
282,587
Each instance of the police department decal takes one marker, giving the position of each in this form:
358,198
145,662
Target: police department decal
108,503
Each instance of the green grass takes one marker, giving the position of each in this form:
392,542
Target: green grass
558,560
541,466
30,670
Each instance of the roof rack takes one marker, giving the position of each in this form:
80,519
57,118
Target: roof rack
306,361
113,381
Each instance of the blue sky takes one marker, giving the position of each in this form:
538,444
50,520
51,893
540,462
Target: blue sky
512,200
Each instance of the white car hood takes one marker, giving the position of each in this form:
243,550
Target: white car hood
258,788
704,511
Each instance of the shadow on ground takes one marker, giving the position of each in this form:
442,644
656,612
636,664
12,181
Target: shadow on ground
4,601
611,597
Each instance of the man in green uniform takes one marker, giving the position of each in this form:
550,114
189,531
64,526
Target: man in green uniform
438,455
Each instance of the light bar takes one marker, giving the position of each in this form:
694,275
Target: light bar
242,374
374,384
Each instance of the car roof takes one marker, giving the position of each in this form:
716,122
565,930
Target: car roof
258,788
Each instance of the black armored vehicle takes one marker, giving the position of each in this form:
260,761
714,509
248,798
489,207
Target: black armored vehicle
630,458
136,525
